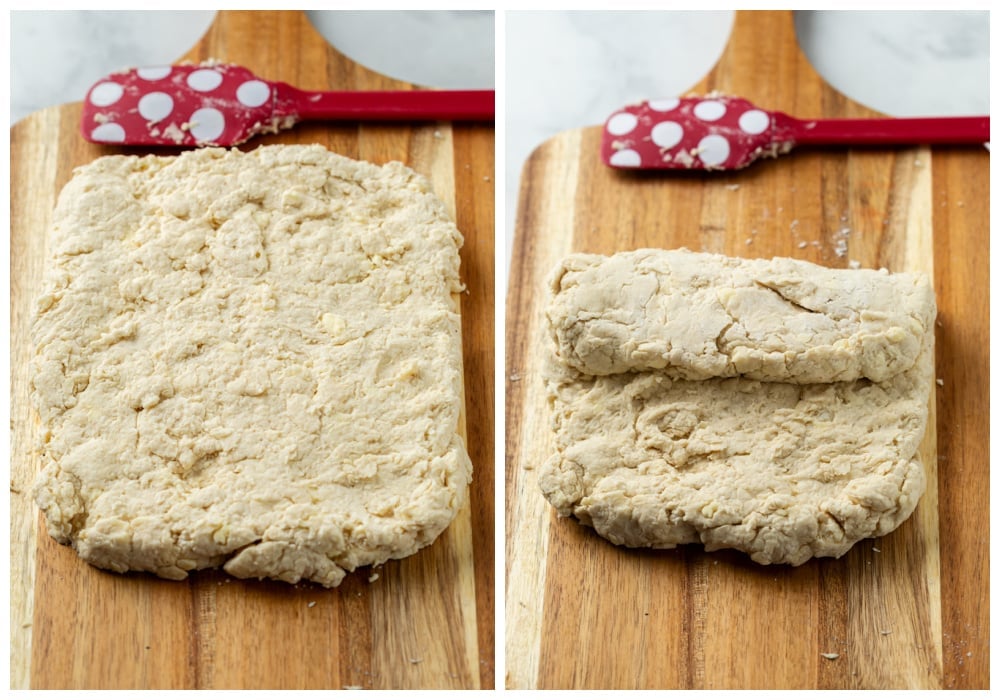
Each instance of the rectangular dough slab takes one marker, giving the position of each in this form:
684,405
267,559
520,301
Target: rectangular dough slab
249,360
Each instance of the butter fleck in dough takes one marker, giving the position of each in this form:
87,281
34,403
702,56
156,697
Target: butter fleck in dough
785,424
249,360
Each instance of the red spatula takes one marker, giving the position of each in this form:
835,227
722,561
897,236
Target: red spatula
224,105
728,133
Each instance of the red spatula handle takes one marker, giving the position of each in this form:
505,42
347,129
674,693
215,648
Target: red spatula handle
890,131
396,105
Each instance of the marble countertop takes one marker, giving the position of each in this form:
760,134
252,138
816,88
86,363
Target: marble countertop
57,56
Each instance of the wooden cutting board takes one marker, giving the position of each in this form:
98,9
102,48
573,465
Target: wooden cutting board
427,621
909,610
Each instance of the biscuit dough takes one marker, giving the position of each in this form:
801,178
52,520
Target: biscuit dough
783,470
700,315
249,360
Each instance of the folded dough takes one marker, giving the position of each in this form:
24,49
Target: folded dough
678,446
700,315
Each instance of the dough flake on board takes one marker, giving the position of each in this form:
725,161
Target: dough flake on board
770,406
249,360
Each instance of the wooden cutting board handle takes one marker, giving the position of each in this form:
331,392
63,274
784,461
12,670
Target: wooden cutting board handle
764,63
286,47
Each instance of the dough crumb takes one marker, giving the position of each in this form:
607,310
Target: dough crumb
311,604
830,656
840,241
939,381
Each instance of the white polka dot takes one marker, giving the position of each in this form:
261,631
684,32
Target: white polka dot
109,133
626,158
709,110
713,150
664,105
253,93
104,94
755,121
156,106
204,80
153,72
622,123
207,124
667,134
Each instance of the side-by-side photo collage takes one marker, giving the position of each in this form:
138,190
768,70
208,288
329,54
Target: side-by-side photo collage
499,351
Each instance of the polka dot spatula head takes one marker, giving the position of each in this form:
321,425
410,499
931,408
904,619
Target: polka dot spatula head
224,105
728,133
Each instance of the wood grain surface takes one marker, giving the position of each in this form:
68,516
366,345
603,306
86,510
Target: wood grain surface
908,610
427,621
